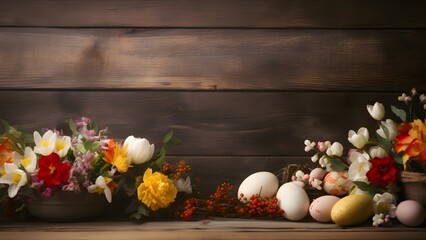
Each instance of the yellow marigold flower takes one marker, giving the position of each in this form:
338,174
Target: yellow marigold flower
157,190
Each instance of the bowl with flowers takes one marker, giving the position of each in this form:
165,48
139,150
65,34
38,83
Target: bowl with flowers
73,177
389,166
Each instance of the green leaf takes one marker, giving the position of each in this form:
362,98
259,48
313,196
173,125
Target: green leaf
398,159
399,113
142,209
88,145
138,216
336,165
362,185
386,144
385,130
168,137
96,146
5,125
73,128
81,148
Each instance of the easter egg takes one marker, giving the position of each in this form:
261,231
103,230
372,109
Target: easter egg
317,173
320,208
264,184
411,213
352,210
293,200
336,183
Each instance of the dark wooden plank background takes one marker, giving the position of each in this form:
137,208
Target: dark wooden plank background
241,82
212,59
215,13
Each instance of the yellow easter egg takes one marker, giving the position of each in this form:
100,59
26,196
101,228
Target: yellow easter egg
352,210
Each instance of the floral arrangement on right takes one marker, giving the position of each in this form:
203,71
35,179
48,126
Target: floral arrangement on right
374,167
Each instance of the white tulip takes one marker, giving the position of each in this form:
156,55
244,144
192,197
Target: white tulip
359,167
139,150
45,144
336,149
62,145
360,138
378,152
377,111
392,129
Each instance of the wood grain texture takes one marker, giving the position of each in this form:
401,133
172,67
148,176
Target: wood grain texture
215,13
205,229
212,59
209,123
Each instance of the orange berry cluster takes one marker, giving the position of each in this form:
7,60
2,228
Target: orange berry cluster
177,171
221,203
260,207
189,209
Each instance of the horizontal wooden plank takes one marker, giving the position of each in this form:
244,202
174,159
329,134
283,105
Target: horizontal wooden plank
212,59
214,170
205,229
215,13
209,123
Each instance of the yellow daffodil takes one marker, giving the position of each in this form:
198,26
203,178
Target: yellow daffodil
117,156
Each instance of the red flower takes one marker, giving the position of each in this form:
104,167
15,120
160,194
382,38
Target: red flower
52,171
383,171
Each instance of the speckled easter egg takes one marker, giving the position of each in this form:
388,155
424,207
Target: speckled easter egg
320,208
336,183
264,184
352,210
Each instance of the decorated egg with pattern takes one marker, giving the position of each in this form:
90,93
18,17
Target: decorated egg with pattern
337,183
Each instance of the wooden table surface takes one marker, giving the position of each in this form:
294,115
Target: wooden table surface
202,229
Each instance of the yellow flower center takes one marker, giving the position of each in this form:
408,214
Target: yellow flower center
26,161
16,178
52,169
60,144
44,143
382,207
360,166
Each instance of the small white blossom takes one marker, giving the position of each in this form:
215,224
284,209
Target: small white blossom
323,161
314,158
385,203
422,98
316,183
309,145
378,152
299,175
378,219
404,98
183,185
359,138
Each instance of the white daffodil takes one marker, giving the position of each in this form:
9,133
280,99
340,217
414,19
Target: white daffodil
183,185
377,111
392,129
309,145
14,177
28,161
359,167
385,203
100,187
378,152
62,145
336,149
139,150
46,144
360,138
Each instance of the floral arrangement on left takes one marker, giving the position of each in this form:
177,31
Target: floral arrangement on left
40,165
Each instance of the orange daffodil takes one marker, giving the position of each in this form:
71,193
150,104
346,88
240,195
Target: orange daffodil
412,140
5,152
116,156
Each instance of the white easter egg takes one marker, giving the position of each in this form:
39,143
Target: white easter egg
293,200
264,184
337,183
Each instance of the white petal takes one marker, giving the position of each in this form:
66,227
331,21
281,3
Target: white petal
100,182
92,188
37,138
10,167
108,194
13,190
17,158
7,179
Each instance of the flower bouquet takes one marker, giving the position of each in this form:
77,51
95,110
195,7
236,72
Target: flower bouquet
43,169
375,165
